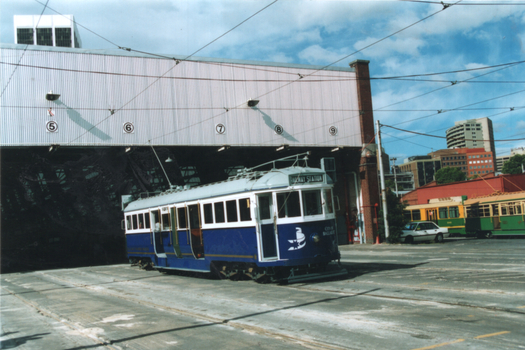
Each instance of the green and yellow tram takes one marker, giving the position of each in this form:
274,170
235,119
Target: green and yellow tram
501,214
449,214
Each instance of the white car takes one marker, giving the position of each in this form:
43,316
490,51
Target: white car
423,231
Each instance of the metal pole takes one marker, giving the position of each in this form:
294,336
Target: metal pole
382,176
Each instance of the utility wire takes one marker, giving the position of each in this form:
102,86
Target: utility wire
169,70
80,25
323,68
444,137
331,78
23,53
459,108
445,87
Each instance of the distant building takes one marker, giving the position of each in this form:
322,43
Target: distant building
472,133
472,161
501,160
47,30
405,181
423,167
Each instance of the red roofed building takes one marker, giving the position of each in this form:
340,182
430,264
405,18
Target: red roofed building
482,186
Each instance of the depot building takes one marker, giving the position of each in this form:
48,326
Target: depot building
80,128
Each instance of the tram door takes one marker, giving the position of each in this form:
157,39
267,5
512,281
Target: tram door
267,226
158,244
495,217
194,221
432,215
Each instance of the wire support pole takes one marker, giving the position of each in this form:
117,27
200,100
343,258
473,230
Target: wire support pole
165,174
382,177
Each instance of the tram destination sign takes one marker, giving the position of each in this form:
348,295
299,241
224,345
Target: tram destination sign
301,179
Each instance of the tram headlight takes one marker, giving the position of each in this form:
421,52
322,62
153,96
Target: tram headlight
316,238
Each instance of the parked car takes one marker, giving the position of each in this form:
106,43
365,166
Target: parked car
423,231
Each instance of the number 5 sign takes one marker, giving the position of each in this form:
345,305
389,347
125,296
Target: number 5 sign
51,126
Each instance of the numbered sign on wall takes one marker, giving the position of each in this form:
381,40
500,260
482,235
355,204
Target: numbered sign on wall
51,126
128,128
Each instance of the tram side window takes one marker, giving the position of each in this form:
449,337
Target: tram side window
312,203
416,215
288,204
208,213
219,212
166,221
329,201
128,222
453,212
135,222
147,221
443,213
407,215
244,209
141,220
511,208
231,210
181,215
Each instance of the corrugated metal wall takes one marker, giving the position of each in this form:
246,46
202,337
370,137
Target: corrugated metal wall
186,106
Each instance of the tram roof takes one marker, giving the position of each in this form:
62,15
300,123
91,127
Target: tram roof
497,198
433,205
244,182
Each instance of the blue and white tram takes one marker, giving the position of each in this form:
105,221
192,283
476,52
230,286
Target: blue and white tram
273,225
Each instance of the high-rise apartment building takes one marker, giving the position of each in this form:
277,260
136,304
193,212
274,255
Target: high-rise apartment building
472,133
47,30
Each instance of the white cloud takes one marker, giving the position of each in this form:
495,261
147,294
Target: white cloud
388,47
315,54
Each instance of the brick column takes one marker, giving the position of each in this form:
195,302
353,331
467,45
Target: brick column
368,162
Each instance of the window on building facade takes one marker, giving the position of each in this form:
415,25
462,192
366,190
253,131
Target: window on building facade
63,37
44,36
25,36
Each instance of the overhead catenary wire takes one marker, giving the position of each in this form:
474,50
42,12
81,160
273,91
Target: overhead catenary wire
22,56
444,137
410,77
169,70
314,72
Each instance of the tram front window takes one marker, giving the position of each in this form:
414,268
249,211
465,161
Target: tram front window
288,204
312,203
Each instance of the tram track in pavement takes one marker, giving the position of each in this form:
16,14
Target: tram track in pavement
105,281
108,343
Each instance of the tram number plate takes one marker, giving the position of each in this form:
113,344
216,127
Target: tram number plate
302,179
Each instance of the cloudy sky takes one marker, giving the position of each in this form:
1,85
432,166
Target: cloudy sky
474,39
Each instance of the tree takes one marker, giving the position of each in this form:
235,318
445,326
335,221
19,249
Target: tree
396,219
514,164
449,174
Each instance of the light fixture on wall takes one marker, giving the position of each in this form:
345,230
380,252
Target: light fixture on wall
253,103
50,96
169,160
